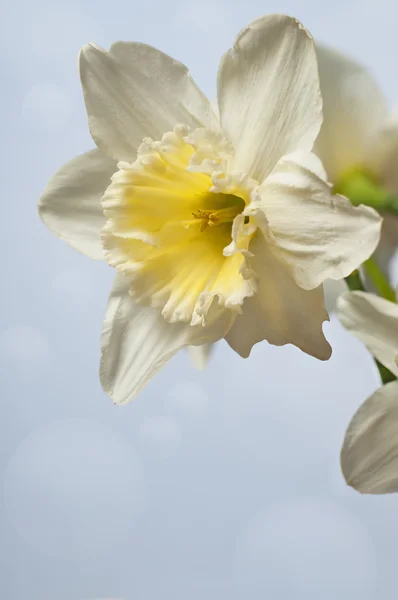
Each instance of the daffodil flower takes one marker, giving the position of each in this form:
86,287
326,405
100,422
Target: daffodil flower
358,142
369,457
217,227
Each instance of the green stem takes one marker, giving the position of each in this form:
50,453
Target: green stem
378,279
391,205
355,283
385,374
361,188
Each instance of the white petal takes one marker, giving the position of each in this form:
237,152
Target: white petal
280,312
353,109
320,236
70,205
374,321
134,91
136,341
369,457
332,289
268,92
199,355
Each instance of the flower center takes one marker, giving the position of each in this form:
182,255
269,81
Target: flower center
171,228
210,218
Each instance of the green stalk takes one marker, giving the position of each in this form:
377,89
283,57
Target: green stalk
379,280
361,188
385,374
354,282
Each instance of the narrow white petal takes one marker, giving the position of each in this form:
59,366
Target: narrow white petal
70,205
280,312
353,109
268,92
134,91
374,321
136,342
199,355
321,236
369,457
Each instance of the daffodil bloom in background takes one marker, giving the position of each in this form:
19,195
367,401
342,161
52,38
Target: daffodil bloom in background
358,142
369,456
217,227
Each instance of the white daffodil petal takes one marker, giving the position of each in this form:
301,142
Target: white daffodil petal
199,355
280,312
369,457
353,109
268,92
136,341
374,321
320,236
134,91
71,204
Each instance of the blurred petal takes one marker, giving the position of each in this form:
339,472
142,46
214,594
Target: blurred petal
134,91
200,355
136,341
389,241
332,289
353,109
280,312
374,321
382,156
319,235
70,205
268,92
369,457
385,250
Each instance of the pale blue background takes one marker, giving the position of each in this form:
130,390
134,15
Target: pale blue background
215,485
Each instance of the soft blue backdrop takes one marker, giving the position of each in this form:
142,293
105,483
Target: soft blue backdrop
215,485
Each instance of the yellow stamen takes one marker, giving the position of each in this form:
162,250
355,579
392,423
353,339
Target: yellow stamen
210,218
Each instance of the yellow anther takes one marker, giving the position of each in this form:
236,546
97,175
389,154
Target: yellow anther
209,218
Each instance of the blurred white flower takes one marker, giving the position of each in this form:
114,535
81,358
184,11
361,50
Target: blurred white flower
369,457
359,136
223,227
